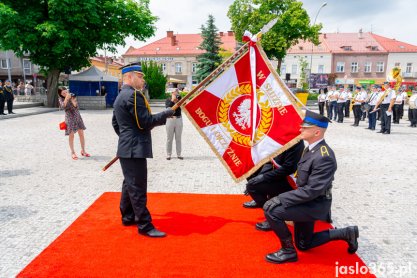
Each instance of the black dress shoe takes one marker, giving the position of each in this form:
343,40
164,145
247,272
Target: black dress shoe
180,157
386,132
263,226
251,204
153,233
381,131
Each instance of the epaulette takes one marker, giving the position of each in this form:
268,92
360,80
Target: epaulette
324,151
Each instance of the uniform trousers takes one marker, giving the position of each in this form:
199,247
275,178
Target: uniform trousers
357,113
2,101
372,118
396,113
174,128
333,110
340,112
134,193
327,108
264,191
303,216
10,105
321,108
385,119
347,109
412,116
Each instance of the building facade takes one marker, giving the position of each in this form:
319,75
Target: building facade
177,55
19,69
351,59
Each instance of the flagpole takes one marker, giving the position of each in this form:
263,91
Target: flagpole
211,75
193,91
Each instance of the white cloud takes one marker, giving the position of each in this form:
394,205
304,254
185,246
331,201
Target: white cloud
392,19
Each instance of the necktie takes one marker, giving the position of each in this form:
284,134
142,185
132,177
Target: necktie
306,150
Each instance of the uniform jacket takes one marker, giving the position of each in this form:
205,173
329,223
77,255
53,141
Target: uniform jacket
133,141
287,160
315,174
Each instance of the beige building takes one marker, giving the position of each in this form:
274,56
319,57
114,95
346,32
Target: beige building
177,54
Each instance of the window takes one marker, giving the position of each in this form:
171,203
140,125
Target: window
164,67
368,67
27,66
178,67
283,69
409,67
194,68
3,63
320,69
347,48
340,67
294,69
354,67
379,66
397,64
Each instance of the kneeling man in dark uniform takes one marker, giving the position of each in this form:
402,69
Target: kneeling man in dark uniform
311,200
272,179
133,121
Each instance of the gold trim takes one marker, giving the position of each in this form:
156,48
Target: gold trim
263,161
146,104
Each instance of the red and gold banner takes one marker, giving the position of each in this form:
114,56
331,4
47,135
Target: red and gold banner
243,126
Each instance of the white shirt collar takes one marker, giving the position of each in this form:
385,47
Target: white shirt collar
311,146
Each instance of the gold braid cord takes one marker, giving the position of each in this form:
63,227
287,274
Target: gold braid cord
264,124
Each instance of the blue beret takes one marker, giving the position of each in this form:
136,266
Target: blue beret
134,67
316,119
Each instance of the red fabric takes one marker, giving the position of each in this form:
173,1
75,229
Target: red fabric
224,102
62,126
208,236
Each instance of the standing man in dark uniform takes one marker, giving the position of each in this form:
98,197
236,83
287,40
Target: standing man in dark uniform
312,199
8,92
133,121
2,99
273,179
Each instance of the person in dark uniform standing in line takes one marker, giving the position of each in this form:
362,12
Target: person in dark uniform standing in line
311,201
8,92
2,99
133,122
272,179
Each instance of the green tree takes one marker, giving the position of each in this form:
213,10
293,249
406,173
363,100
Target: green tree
211,58
293,24
155,79
64,34
303,73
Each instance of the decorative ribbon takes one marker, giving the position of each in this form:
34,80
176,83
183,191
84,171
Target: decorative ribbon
252,39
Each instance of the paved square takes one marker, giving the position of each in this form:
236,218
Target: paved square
42,190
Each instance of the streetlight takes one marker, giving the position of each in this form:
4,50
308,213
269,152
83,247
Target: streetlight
312,44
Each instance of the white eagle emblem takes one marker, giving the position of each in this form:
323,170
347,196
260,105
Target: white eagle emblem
243,117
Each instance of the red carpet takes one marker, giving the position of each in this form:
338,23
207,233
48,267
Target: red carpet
208,236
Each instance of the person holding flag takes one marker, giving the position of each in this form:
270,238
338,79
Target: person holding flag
312,199
133,122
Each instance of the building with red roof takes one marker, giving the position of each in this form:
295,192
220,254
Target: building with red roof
352,59
177,54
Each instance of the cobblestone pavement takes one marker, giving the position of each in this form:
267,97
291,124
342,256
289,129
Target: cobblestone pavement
42,191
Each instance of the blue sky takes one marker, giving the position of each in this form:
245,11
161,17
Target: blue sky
392,19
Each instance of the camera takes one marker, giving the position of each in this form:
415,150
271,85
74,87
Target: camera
178,97
72,94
